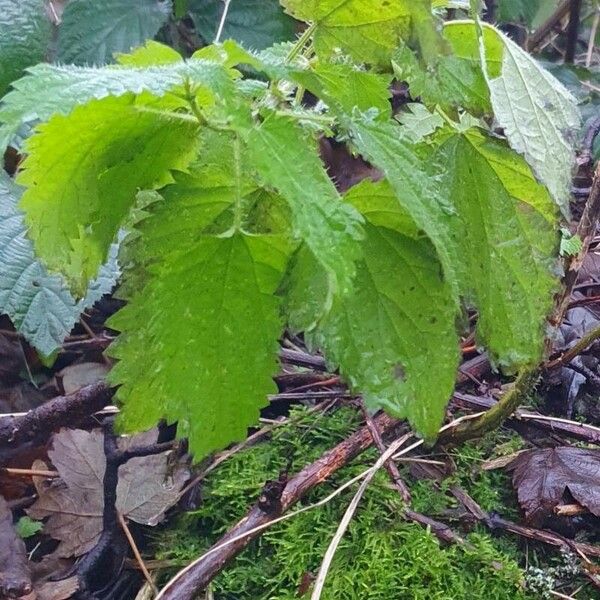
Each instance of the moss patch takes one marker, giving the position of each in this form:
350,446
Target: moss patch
381,556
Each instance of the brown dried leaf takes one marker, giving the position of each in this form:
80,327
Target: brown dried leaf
542,477
74,503
74,377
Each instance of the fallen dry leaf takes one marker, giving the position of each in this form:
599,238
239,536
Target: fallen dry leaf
74,503
542,477
74,377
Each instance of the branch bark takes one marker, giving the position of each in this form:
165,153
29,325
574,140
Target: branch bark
63,411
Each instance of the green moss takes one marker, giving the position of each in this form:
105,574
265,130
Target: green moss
380,557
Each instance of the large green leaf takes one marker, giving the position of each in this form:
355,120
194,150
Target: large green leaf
39,304
383,145
207,322
398,318
82,174
92,32
25,37
255,24
287,161
368,30
508,243
50,89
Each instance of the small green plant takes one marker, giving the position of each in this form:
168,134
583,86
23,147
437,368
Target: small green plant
237,230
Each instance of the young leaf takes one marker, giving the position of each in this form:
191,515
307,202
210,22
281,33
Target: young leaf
399,303
508,243
451,82
92,32
208,322
83,171
367,30
39,305
346,87
288,162
50,89
26,33
255,24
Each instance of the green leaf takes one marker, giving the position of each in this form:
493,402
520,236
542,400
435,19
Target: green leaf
397,320
508,243
383,145
539,116
462,37
92,32
255,24
49,89
39,305
207,322
367,30
26,527
288,162
26,33
570,245
347,87
150,54
82,173
516,11
417,122
450,82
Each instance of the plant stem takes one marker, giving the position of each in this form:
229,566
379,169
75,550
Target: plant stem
585,230
587,340
238,206
297,48
495,416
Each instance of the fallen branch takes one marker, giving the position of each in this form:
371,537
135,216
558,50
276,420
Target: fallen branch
494,521
63,411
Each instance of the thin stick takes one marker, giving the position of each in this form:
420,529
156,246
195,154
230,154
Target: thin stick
343,526
29,472
136,552
222,21
390,465
591,43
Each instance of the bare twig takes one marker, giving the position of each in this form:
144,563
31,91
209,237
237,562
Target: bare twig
573,30
585,230
548,26
592,40
390,465
136,552
343,526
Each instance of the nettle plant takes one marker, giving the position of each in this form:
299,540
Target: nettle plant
236,231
